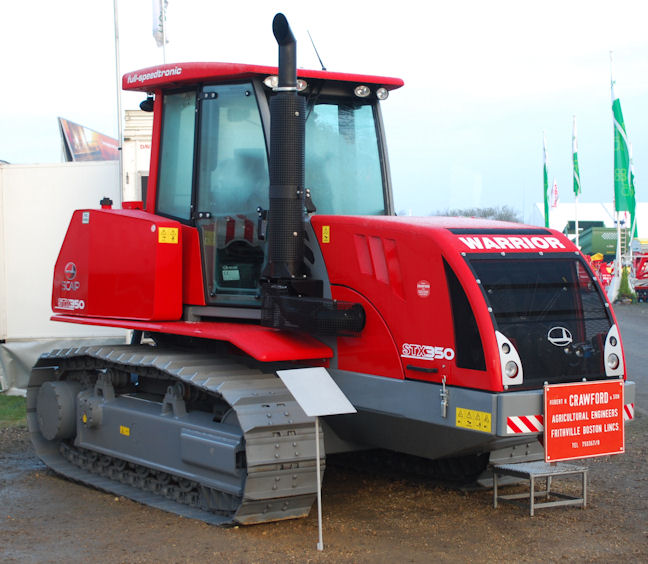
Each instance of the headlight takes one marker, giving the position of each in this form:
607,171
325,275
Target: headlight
511,369
510,362
362,91
613,361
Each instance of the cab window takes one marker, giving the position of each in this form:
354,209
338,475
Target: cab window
177,155
343,167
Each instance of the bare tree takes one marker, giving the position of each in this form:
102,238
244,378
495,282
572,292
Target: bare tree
502,213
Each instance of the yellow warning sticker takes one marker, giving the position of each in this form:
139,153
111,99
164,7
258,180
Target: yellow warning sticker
168,235
326,233
124,431
472,419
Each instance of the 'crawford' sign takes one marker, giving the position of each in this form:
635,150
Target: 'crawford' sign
583,420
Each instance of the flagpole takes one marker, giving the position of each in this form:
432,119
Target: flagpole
163,3
620,145
119,104
577,187
545,179
617,273
576,214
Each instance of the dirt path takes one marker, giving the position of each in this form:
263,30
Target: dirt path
366,519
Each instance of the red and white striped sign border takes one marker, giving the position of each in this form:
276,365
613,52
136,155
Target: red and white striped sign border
520,424
524,424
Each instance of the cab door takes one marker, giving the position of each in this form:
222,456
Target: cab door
231,184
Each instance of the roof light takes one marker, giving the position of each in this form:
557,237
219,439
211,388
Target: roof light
273,82
382,93
362,91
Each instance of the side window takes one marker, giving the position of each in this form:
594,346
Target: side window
233,182
233,170
468,345
177,154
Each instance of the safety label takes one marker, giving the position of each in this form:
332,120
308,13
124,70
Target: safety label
473,419
168,235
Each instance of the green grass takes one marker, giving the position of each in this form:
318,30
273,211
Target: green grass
12,410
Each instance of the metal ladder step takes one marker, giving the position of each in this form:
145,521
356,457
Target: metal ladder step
532,470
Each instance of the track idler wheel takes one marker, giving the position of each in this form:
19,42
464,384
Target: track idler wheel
56,409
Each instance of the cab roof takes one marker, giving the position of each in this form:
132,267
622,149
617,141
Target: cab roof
172,75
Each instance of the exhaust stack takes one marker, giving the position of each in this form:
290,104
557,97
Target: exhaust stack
287,135
290,298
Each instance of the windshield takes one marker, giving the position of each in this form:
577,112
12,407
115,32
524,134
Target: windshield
552,312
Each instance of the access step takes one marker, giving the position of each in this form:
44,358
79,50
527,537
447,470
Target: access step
532,470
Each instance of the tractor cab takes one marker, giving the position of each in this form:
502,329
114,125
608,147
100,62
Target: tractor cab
210,162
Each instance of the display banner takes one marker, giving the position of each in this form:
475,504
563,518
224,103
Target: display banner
84,144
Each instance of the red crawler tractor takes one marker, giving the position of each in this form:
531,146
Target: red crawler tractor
268,240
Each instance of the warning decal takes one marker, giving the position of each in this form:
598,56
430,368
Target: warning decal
583,420
472,419
168,235
326,233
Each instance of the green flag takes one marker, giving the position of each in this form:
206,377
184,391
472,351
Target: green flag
546,181
633,220
624,195
577,183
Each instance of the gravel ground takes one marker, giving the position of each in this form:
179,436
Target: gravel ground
367,516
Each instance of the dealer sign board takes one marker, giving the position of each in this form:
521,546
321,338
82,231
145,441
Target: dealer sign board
583,420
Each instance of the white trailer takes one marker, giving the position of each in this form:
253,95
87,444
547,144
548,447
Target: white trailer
36,203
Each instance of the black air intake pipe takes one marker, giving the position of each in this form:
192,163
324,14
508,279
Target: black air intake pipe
287,134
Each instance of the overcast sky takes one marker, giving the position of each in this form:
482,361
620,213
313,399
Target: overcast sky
482,81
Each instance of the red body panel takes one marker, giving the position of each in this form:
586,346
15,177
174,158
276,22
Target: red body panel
193,290
396,265
261,343
120,264
148,79
374,350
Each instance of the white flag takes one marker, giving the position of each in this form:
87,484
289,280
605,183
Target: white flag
159,22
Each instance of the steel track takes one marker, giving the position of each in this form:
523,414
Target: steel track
279,477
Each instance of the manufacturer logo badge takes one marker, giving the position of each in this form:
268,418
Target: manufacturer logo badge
423,289
70,271
559,336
